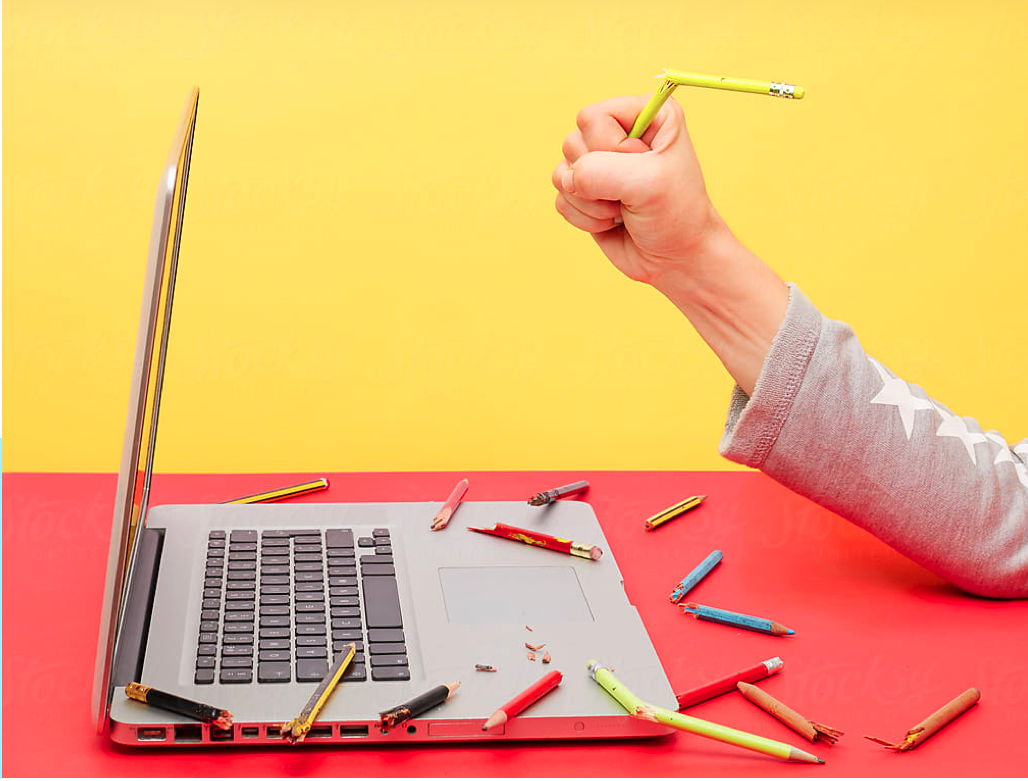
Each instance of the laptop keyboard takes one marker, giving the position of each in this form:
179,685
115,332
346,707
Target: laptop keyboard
277,604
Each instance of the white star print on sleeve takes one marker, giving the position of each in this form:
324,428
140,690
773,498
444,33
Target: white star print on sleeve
833,424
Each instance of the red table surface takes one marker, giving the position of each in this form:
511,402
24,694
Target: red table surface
880,642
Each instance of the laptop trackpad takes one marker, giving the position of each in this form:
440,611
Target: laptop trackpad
513,595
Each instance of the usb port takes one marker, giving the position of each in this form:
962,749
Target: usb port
353,730
320,732
151,733
250,732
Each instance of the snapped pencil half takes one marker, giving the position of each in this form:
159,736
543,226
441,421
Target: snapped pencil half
811,730
919,733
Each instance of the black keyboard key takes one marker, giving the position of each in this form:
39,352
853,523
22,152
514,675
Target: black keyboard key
237,650
308,566
315,587
242,574
311,652
344,582
208,637
310,618
275,534
311,605
356,672
240,627
216,534
310,640
275,645
383,550
342,572
266,589
274,560
206,649
241,535
309,577
232,675
366,542
214,572
244,605
338,645
390,673
275,599
206,675
305,533
274,610
307,539
344,601
239,615
380,532
276,655
274,542
346,623
274,672
307,548
345,612
376,559
342,561
346,591
237,589
310,629
212,593
205,661
208,626
311,669
212,583
239,639
242,555
385,635
386,648
382,603
274,569
274,632
377,569
307,558
347,634
237,662
389,660
274,580
274,622
339,538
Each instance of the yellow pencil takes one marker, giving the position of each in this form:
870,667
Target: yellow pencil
674,79
282,493
643,710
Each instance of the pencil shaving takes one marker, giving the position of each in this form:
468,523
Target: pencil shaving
531,656
485,668
547,658
531,647
646,712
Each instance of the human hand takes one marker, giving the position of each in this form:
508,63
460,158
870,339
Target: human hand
643,200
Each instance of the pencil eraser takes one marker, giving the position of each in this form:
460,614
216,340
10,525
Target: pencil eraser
798,93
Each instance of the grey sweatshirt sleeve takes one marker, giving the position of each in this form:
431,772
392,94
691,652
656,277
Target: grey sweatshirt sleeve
831,423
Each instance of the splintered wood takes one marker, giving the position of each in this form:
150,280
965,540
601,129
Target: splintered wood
811,730
534,649
485,668
919,733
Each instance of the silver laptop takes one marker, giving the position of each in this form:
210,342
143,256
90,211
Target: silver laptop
243,606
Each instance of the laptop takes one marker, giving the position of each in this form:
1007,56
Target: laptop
243,606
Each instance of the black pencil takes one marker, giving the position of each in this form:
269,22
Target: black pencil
548,497
413,708
180,705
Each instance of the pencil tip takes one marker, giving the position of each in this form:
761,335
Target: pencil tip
819,760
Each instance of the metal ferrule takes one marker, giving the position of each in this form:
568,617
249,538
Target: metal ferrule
582,549
594,667
137,691
780,90
771,665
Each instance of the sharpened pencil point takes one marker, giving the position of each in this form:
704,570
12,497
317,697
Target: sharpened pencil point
791,632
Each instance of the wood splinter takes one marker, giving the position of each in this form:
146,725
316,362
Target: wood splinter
547,658
531,656
531,647
811,730
921,732
485,668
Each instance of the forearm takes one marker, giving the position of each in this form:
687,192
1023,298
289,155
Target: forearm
834,425
734,301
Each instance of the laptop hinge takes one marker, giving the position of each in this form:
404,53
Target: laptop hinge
135,622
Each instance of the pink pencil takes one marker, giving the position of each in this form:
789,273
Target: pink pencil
450,506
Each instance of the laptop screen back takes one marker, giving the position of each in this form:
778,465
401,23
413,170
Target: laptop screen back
144,400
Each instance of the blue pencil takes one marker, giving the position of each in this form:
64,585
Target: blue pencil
689,581
740,620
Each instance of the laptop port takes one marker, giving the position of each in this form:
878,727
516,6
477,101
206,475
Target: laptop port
250,732
353,730
151,733
219,734
320,732
188,733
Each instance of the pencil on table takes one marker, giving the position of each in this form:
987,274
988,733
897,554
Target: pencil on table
282,493
811,730
689,582
739,620
418,705
538,539
180,705
536,691
442,518
919,733
674,511
295,730
728,683
547,497
647,712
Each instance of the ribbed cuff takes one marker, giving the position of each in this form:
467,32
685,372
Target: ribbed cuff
754,422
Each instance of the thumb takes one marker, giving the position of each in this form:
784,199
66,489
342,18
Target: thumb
612,176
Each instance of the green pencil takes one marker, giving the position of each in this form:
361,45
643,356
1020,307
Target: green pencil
674,79
643,710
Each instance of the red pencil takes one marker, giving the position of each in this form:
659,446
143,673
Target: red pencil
724,685
450,506
540,540
543,686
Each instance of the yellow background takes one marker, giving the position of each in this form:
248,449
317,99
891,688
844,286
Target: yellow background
374,277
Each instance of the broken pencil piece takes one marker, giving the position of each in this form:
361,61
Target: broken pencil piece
442,518
688,583
415,707
920,733
538,539
548,497
673,512
727,684
811,730
531,647
740,620
547,658
296,730
180,705
485,668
